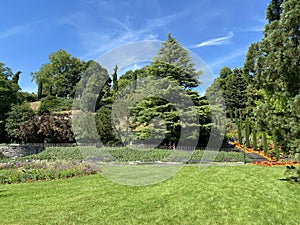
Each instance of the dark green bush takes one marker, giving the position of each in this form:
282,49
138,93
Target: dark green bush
54,104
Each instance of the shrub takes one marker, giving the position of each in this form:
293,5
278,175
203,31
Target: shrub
54,104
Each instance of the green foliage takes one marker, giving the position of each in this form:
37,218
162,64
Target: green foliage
274,10
57,153
174,62
84,127
235,93
115,79
16,77
8,96
233,86
19,113
60,75
273,66
29,97
93,89
54,104
125,154
276,148
265,143
247,132
40,89
222,156
254,137
159,119
104,126
145,155
239,126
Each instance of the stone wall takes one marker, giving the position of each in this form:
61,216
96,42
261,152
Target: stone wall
17,150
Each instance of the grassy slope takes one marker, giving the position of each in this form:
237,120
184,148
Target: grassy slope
217,195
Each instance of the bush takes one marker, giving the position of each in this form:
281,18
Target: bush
54,104
127,154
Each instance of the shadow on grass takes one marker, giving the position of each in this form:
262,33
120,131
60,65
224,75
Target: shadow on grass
3,194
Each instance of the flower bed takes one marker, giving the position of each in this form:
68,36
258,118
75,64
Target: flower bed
276,163
28,171
271,160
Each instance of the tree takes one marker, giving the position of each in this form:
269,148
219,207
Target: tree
276,148
174,62
265,143
115,79
254,138
49,128
93,88
60,75
8,96
16,77
274,66
19,113
233,88
235,94
238,122
104,126
162,87
274,10
40,89
247,132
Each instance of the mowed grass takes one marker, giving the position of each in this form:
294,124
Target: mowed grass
217,195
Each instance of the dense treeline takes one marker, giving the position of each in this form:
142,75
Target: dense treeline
266,90
97,94
262,98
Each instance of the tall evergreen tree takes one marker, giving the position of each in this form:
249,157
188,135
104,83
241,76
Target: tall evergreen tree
40,89
16,77
236,93
274,64
274,10
247,132
174,62
254,138
115,79
154,118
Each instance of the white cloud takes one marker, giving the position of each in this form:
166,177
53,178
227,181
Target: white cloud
215,41
258,28
18,30
129,54
98,43
226,59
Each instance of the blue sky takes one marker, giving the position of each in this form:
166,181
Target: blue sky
218,31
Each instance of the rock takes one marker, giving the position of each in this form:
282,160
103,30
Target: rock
17,150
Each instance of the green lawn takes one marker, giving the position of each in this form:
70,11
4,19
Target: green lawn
217,195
